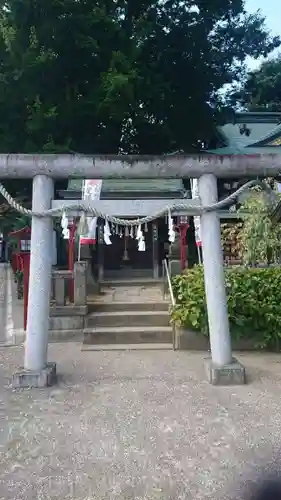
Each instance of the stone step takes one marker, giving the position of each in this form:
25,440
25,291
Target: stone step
128,335
128,347
134,282
128,318
127,272
100,306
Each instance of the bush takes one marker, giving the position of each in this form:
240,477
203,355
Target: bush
254,303
260,237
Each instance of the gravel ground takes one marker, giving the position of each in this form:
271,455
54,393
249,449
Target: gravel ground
137,425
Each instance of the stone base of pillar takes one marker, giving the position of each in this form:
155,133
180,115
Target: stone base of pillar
33,379
232,374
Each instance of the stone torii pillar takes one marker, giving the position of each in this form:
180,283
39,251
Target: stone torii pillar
39,277
221,369
37,372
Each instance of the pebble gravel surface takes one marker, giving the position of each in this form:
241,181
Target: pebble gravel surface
137,425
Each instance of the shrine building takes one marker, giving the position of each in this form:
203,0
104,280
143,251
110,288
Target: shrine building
246,133
130,199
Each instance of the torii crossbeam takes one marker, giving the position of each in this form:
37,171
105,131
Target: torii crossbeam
139,167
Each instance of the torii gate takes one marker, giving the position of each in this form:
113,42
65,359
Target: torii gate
43,169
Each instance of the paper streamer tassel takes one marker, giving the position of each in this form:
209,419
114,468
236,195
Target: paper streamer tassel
141,245
139,234
83,228
107,234
171,231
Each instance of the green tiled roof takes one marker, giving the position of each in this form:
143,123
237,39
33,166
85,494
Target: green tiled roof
260,125
131,185
269,138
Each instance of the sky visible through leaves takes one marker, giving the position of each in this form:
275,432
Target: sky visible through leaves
271,9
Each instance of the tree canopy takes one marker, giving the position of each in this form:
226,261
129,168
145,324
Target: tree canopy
262,89
104,76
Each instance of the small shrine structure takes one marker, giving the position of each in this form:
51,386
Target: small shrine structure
249,134
22,238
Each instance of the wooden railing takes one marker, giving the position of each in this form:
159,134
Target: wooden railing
60,288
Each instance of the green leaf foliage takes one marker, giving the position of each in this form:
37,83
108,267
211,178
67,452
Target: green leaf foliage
259,237
104,76
254,303
262,88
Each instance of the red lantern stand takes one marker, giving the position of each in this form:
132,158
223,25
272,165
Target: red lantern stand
21,262
182,226
26,267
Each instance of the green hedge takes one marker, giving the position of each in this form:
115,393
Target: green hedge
254,303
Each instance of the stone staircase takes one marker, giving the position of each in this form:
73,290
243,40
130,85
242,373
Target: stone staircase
128,315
